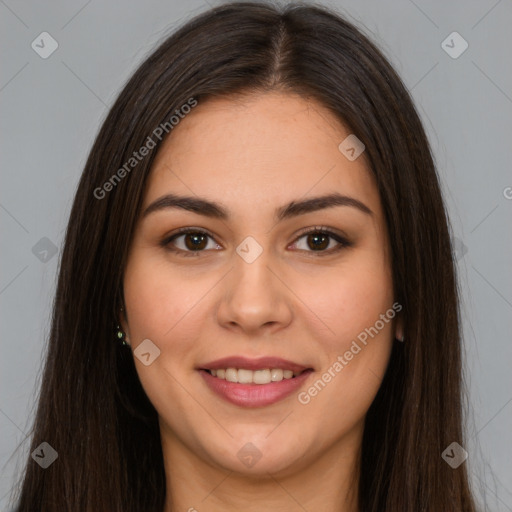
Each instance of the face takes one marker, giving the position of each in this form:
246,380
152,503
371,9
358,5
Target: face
309,287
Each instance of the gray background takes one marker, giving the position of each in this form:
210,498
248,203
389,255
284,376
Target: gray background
52,108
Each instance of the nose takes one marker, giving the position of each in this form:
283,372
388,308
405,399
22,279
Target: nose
255,298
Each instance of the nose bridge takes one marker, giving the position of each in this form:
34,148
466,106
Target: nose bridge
254,295
251,277
254,270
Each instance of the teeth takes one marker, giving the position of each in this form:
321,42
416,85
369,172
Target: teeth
243,376
276,375
232,375
261,377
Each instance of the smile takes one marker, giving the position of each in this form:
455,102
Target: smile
244,376
252,394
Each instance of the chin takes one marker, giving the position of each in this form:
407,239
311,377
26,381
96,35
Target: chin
257,456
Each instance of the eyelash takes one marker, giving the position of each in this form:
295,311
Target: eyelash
344,243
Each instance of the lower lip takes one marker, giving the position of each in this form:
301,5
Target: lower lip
254,395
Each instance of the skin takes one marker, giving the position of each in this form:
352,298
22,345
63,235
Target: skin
254,154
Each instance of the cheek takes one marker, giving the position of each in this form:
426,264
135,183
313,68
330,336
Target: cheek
355,340
165,308
160,301
359,311
349,298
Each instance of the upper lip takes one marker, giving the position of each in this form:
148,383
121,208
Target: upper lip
254,364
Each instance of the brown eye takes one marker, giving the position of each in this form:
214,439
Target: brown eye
322,241
195,241
188,242
191,242
317,241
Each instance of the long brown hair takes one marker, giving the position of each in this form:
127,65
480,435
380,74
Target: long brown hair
91,407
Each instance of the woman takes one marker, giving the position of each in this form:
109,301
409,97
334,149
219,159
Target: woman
257,305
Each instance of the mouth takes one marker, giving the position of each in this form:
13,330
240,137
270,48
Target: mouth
254,382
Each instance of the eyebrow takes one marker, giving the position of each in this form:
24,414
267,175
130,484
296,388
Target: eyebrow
217,211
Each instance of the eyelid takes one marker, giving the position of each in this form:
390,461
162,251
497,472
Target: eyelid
322,229
188,229
342,240
166,242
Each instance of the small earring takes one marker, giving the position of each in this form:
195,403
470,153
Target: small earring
121,336
401,339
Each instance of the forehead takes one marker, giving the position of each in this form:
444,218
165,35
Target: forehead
260,148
